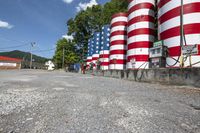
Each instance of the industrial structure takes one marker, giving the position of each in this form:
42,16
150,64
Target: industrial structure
134,43
118,40
141,32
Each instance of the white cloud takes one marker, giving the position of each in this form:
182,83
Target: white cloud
68,1
68,37
84,6
6,25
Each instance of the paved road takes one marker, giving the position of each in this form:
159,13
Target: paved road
59,102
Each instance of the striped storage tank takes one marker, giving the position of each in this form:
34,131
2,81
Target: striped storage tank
141,32
105,45
169,28
118,40
89,53
96,43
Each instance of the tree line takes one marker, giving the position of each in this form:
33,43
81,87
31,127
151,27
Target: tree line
81,28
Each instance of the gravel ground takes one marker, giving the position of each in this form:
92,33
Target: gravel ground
59,102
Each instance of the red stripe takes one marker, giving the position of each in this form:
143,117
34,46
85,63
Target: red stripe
89,60
188,29
174,51
162,3
113,52
141,6
140,45
139,57
118,33
104,64
189,8
141,19
118,42
119,23
95,58
141,31
121,14
104,56
117,62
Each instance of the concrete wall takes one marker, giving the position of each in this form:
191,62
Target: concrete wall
172,76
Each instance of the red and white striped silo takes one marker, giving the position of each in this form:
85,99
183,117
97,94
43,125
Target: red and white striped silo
169,12
141,32
118,41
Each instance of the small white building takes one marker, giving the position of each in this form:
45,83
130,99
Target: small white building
50,65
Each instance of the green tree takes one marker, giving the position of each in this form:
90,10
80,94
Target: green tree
92,19
70,55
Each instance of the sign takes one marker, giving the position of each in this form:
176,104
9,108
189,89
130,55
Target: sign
133,62
158,43
190,49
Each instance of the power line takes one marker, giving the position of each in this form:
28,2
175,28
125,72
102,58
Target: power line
16,46
46,50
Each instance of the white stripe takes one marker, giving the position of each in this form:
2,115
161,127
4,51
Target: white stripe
119,19
118,37
117,67
191,39
135,2
138,51
95,55
174,22
131,52
118,56
141,12
104,67
140,38
104,52
173,4
89,58
140,25
138,65
118,28
118,47
104,59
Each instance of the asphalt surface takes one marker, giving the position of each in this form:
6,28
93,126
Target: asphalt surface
59,102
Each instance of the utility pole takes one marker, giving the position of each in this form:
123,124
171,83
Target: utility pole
181,33
63,60
31,61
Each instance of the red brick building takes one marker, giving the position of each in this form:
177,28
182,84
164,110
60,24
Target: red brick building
10,63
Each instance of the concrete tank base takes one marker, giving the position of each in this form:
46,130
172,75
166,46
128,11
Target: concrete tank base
171,76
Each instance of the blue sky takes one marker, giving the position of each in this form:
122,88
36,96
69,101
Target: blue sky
40,21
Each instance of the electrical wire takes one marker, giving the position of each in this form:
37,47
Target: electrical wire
182,36
46,50
17,46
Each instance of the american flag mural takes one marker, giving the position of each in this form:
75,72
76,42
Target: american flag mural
105,44
169,29
96,44
89,52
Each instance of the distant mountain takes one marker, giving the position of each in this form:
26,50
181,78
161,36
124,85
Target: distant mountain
26,56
